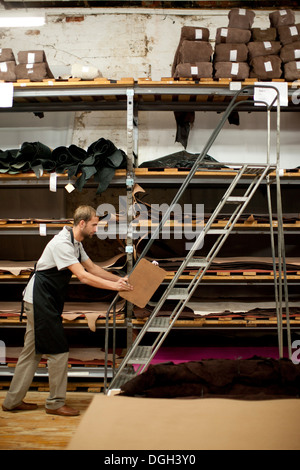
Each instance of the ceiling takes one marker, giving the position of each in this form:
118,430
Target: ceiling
205,4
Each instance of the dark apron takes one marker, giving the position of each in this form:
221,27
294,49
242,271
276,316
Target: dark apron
49,293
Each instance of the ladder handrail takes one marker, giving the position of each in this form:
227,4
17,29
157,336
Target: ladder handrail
232,106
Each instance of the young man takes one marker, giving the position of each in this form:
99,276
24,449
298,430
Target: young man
44,299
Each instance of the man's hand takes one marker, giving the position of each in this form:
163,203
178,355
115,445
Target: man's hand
101,280
123,284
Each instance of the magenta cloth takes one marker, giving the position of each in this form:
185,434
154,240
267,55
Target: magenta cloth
186,354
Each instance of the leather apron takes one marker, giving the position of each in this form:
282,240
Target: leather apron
49,293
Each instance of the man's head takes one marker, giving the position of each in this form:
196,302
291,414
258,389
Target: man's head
85,221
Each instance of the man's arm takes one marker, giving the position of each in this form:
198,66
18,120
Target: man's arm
98,277
98,271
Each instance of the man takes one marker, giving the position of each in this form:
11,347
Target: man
44,299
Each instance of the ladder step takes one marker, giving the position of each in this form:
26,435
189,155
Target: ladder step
158,324
140,355
198,263
178,293
236,199
217,231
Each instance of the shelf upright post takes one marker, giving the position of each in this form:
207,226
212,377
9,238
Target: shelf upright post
129,188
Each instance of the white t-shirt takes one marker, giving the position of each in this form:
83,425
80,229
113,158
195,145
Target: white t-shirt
59,253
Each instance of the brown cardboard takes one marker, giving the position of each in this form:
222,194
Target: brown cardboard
132,423
145,279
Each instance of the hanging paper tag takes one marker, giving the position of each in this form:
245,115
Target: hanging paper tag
268,66
224,32
43,230
265,93
52,182
293,30
234,69
233,56
31,58
194,70
198,34
69,187
297,53
242,11
6,95
267,45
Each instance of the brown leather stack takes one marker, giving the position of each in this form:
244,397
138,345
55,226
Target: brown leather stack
231,52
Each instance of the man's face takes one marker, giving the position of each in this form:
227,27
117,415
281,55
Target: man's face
88,229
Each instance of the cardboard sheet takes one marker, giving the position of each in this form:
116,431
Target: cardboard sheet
145,278
189,424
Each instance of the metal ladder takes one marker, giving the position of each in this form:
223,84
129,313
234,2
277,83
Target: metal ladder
140,355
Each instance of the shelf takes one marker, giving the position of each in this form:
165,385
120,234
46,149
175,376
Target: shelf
104,94
153,176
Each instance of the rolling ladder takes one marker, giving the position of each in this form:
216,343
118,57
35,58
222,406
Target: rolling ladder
139,355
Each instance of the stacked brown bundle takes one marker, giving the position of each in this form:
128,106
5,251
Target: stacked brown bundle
7,65
231,52
193,55
33,66
264,51
289,36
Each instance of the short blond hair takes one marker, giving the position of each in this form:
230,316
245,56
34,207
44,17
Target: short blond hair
85,213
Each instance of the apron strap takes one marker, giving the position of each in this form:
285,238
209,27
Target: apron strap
72,239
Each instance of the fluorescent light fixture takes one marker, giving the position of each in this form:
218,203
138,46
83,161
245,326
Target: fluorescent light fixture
21,21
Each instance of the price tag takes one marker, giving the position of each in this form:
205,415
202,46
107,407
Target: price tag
43,230
69,187
6,95
52,182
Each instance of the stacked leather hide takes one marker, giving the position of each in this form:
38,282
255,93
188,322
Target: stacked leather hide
264,54
289,36
33,65
193,55
231,52
7,65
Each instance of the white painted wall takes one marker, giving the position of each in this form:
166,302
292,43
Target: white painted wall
133,43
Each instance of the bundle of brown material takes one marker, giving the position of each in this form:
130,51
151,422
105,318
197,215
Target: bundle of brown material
233,35
292,70
8,71
33,72
290,52
289,34
264,48
33,65
259,34
189,33
195,51
266,67
282,18
7,65
233,70
231,53
240,18
7,55
194,33
196,71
